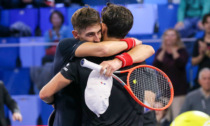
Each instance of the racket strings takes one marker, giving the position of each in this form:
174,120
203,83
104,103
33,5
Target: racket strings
150,87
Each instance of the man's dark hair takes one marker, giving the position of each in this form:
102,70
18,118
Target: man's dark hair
118,19
205,17
84,18
59,14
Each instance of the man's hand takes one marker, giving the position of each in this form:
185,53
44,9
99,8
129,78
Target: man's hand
17,116
110,66
138,42
179,25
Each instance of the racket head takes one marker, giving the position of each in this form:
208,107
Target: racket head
150,87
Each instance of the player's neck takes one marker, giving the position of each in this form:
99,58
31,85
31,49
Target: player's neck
106,38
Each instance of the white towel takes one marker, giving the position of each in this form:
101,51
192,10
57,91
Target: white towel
97,92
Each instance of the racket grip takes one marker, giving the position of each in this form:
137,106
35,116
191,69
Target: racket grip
90,65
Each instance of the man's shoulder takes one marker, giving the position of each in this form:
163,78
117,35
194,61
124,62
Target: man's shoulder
66,46
68,41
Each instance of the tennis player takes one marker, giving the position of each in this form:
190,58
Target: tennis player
69,100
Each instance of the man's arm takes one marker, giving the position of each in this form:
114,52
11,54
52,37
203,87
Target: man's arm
138,54
102,49
141,52
57,83
11,104
68,48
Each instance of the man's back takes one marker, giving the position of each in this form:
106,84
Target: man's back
122,110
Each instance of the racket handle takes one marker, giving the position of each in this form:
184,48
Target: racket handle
90,65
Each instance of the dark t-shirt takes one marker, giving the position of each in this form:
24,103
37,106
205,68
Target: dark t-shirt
65,52
122,110
206,60
67,101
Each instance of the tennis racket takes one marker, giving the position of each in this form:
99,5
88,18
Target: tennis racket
147,85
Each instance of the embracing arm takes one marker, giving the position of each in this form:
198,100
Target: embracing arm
102,49
138,54
141,52
54,85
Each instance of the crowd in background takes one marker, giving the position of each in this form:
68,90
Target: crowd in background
9,4
171,57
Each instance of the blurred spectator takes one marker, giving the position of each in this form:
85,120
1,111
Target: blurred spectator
172,58
190,13
65,2
5,31
58,32
18,29
199,99
9,4
5,98
201,51
79,2
50,3
41,75
161,116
